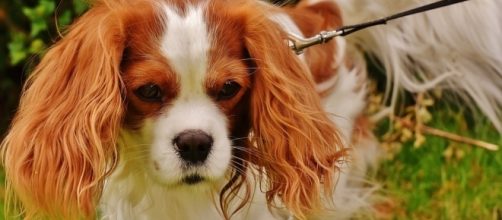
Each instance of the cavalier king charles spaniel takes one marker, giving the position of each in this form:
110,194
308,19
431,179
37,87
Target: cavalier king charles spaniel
197,109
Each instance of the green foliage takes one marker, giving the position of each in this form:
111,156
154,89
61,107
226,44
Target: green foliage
444,179
38,15
23,44
26,29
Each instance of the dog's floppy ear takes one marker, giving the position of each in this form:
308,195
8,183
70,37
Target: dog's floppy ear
298,145
61,142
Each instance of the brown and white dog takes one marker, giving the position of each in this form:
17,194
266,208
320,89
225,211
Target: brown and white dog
170,109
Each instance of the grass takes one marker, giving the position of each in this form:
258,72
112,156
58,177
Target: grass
441,179
446,180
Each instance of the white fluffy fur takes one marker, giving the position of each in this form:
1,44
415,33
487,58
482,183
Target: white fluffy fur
345,103
456,48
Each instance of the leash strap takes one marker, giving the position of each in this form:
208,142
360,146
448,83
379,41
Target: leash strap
298,44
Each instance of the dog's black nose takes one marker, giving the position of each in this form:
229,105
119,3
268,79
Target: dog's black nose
193,146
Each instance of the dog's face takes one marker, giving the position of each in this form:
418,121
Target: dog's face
190,83
207,86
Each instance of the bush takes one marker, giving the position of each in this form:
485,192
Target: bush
27,28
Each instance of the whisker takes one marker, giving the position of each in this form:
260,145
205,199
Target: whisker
239,170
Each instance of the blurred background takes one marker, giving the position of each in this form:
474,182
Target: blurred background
424,175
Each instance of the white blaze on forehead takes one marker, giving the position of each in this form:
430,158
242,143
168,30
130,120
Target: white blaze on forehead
186,45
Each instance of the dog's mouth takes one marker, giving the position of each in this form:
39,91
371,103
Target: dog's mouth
192,179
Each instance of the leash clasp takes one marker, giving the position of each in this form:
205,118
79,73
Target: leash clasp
298,44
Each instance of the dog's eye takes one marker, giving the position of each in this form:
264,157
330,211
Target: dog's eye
229,90
149,93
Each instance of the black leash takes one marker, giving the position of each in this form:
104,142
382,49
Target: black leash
298,44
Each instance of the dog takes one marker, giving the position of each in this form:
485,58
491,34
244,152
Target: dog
168,109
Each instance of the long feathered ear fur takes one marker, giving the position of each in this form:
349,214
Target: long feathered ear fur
61,142
297,143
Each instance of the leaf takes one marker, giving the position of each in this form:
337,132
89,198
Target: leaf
424,115
17,49
16,56
419,140
448,153
406,135
459,154
30,13
65,18
46,7
427,102
39,16
43,10
37,27
37,45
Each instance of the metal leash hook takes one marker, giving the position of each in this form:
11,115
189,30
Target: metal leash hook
298,44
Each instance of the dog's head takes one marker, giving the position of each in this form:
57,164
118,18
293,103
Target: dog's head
206,87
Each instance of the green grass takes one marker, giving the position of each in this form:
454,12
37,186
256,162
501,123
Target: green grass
443,179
